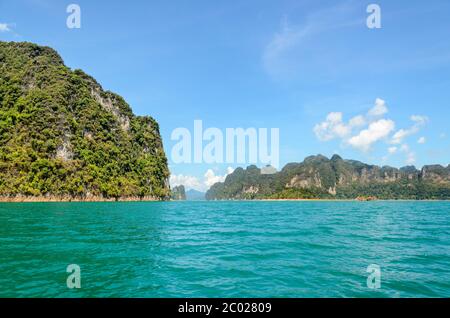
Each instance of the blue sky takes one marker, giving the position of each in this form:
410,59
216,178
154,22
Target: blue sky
310,68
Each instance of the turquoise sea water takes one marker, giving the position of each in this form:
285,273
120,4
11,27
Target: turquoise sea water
225,249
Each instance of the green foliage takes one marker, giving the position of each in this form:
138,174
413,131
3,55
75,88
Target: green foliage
61,134
321,178
295,194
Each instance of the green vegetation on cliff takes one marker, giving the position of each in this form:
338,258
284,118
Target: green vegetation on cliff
335,178
61,134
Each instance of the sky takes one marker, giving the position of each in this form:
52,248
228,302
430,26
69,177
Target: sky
311,69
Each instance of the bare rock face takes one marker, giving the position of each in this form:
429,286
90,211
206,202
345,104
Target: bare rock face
435,173
108,102
64,152
250,190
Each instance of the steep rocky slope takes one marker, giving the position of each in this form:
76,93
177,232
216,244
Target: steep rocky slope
320,177
62,136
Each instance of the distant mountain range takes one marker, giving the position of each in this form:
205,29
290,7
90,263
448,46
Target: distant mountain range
179,193
194,195
335,178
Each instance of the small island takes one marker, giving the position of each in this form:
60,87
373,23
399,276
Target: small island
178,193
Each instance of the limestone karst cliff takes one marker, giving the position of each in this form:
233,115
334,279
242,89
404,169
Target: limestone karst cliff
63,136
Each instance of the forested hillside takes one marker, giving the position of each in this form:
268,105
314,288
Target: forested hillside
63,136
335,178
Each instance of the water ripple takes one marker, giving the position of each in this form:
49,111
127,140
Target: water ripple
225,249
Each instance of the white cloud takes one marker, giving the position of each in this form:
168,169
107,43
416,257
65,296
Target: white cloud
282,42
4,27
191,182
392,150
419,121
211,178
363,131
404,148
376,131
398,136
332,127
379,109
410,158
410,155
357,121
291,49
